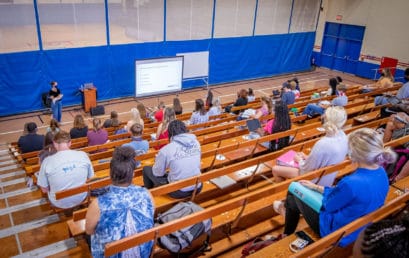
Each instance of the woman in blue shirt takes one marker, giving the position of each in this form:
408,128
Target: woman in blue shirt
354,196
126,209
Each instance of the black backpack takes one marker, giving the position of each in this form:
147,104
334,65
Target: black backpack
182,239
280,143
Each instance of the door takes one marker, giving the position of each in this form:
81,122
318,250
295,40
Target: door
341,46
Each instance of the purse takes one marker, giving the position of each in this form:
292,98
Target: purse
255,245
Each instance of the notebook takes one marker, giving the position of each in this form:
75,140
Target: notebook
223,181
253,125
306,195
287,159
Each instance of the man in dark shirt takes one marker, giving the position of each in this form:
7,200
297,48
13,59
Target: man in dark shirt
32,141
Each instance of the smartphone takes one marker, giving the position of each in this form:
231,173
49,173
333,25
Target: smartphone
303,235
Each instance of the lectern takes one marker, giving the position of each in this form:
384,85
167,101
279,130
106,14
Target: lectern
90,98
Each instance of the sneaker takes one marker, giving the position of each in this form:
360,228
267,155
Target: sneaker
279,207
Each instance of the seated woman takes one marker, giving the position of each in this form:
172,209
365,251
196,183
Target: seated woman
397,127
80,129
209,99
48,149
200,114
251,97
180,159
312,110
332,90
135,118
293,85
177,107
126,209
266,108
241,101
98,135
112,121
280,123
142,110
385,81
54,127
354,196
385,238
329,150
216,108
162,132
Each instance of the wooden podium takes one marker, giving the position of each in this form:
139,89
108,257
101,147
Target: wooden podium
90,98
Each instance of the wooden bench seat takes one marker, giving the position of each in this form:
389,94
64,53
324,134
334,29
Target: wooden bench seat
229,211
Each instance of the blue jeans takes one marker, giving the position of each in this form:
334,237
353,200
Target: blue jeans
313,110
56,108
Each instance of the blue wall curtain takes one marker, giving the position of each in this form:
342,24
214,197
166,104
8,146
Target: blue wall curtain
25,76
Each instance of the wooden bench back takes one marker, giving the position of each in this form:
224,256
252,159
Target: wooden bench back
322,245
165,229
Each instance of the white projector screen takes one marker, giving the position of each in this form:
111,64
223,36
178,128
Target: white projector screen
158,75
195,64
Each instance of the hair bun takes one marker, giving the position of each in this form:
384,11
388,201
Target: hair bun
387,156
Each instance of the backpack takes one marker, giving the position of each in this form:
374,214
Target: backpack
183,238
280,143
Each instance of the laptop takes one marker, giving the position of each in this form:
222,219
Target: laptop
88,85
253,125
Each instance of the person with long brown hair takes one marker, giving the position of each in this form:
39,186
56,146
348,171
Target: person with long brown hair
162,132
80,129
54,126
177,106
200,114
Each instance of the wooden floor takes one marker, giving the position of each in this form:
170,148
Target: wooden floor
27,223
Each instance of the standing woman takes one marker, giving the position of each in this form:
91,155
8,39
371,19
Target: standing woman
126,209
56,105
354,196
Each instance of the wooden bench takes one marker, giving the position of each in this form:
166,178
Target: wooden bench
327,243
227,213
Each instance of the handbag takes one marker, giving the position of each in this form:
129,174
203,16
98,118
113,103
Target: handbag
255,245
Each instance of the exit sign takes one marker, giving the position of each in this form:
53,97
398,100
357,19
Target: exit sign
339,17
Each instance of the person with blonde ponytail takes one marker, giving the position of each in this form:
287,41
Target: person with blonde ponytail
354,196
329,150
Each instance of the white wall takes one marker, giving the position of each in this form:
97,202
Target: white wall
386,31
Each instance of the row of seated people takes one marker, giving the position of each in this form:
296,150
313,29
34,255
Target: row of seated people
372,159
98,135
172,117
362,142
344,155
